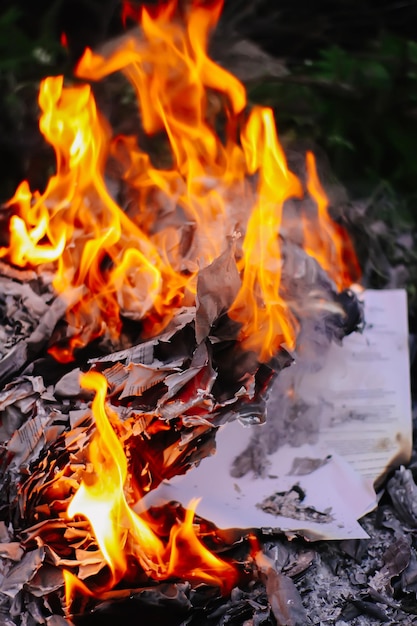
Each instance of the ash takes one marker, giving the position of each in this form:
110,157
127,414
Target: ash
289,504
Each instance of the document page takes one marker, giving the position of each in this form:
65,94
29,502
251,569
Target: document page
363,390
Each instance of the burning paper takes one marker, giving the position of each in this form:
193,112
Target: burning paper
188,304
145,266
330,434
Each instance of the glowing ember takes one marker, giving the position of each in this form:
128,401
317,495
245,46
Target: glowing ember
121,534
142,267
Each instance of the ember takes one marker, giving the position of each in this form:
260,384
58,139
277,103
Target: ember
200,265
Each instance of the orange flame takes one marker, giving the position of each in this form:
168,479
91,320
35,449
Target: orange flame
171,74
324,240
144,267
271,322
74,586
80,223
121,533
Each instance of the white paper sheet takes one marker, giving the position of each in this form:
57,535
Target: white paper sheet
364,390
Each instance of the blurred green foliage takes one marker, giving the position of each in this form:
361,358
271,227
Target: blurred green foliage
28,52
360,107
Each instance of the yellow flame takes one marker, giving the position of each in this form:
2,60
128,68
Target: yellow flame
324,240
100,497
118,530
270,323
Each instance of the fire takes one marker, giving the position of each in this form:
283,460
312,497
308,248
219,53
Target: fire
145,266
76,223
271,321
122,534
324,240
228,181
